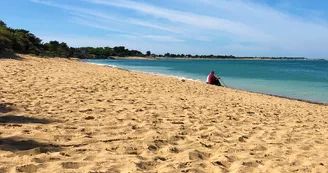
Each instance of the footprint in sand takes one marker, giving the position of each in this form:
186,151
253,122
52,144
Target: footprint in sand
146,165
193,170
220,163
175,150
133,150
45,159
110,170
160,143
259,148
37,151
160,158
198,155
27,168
71,165
176,138
157,145
152,147
90,158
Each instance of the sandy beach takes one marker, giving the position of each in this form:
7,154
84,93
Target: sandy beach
60,115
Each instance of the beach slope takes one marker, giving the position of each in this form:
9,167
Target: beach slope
60,115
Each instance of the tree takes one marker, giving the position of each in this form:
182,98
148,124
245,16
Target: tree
148,53
108,51
19,42
135,53
63,50
120,51
34,44
2,24
51,48
5,39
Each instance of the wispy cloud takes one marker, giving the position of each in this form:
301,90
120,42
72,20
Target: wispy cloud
84,22
294,35
188,18
101,20
235,27
129,35
163,38
156,26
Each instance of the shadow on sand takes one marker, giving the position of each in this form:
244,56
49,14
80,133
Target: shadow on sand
23,145
10,55
23,120
8,107
16,144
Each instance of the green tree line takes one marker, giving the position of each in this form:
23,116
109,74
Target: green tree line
24,42
222,57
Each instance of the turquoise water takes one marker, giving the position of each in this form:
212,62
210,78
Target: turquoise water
300,79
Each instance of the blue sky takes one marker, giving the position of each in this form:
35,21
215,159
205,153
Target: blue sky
225,27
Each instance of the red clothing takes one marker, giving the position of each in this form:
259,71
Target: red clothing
211,79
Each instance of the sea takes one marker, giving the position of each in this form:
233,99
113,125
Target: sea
298,79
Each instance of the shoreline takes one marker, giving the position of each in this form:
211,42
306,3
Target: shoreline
134,58
291,98
159,58
184,78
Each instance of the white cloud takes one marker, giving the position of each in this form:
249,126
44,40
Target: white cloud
129,35
237,27
163,38
188,18
97,25
156,26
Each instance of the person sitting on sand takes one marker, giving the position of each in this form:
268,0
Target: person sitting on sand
213,80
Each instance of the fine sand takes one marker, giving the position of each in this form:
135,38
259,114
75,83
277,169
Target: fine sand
60,115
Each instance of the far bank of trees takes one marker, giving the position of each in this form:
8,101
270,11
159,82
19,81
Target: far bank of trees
223,57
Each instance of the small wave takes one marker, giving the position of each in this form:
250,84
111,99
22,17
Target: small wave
166,75
108,65
152,73
114,66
